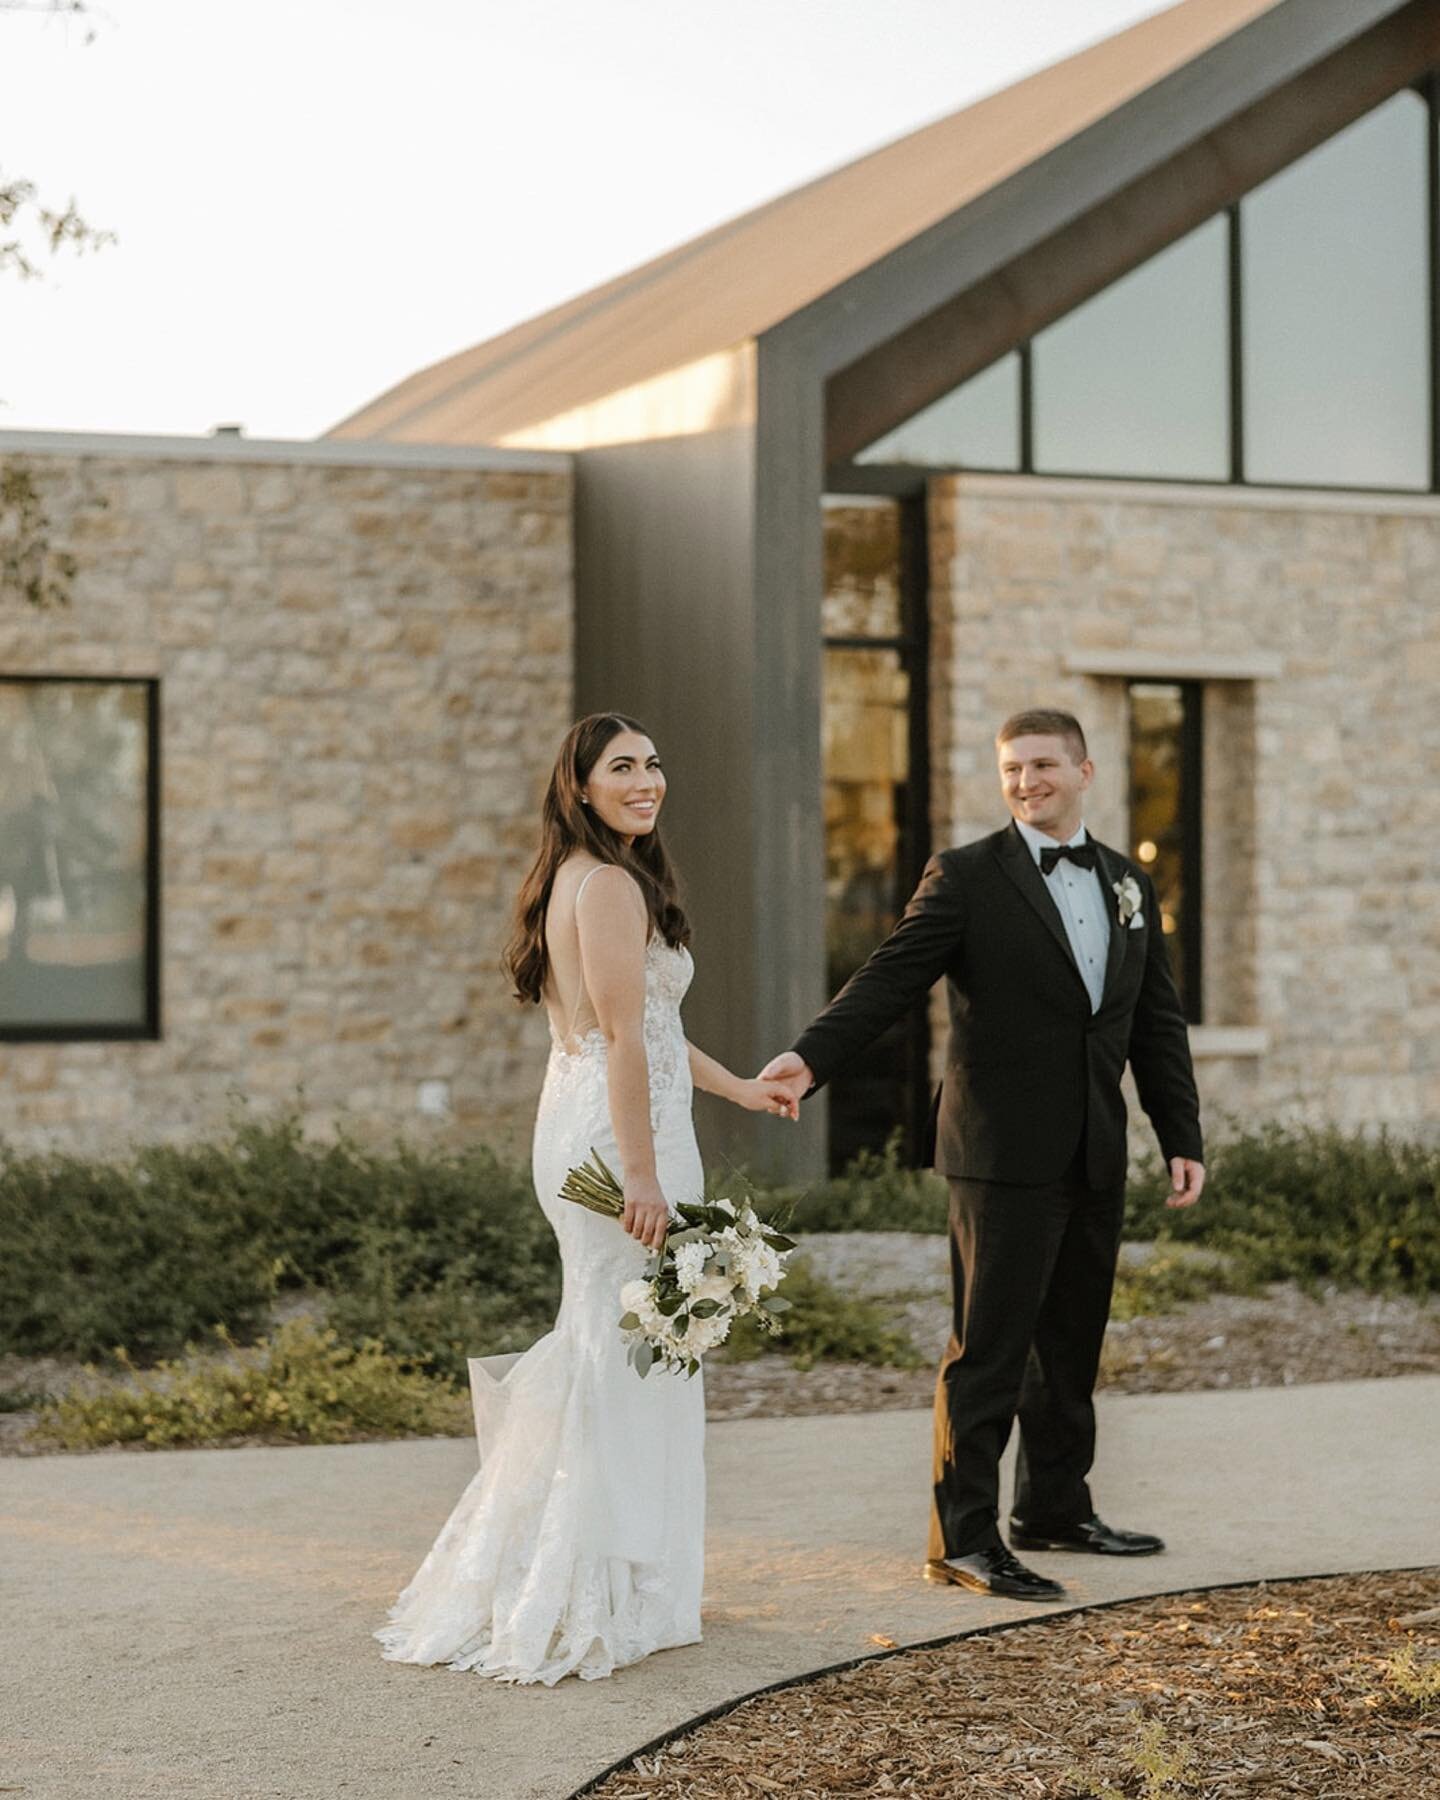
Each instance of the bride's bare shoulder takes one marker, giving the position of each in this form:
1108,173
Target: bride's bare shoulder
574,874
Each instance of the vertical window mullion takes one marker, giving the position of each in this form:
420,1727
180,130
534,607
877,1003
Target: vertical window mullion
1027,410
1237,349
1192,803
1432,100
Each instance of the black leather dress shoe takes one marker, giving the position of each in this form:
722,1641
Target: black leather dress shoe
1092,1535
994,1571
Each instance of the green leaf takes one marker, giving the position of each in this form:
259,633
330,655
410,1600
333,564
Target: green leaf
777,1242
629,1321
705,1309
644,1357
775,1303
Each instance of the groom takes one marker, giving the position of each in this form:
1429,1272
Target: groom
1057,973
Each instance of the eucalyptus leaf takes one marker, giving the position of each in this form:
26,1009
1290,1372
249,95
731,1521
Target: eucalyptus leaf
629,1321
775,1303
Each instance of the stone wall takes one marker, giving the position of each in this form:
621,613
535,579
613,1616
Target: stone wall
1315,620
365,661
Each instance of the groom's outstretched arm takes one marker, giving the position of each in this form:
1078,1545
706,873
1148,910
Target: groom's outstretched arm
898,974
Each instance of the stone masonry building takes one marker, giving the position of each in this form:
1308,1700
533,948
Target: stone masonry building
362,663
1118,389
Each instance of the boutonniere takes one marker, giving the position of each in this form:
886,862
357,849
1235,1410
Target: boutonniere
1127,894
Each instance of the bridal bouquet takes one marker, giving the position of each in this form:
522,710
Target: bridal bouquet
718,1263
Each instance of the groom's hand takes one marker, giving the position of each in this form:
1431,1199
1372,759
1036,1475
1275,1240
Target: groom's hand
1187,1178
793,1071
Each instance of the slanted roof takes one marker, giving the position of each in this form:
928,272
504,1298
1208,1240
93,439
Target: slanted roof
733,283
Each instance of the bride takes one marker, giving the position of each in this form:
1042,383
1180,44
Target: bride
579,1545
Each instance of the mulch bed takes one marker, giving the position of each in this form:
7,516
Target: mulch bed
1276,1689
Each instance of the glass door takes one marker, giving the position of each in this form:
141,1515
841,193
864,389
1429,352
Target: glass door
876,828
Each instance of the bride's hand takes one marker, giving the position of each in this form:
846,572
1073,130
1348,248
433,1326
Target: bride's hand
647,1214
767,1096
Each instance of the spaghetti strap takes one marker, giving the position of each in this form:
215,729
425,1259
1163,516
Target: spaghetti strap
587,879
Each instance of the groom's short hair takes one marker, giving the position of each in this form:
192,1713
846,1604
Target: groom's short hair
1046,721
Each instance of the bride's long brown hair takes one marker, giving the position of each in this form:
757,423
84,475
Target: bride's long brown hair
567,825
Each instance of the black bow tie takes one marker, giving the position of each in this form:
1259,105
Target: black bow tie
1050,854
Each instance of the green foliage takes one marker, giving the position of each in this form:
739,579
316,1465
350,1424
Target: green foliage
824,1323
876,1193
31,568
1413,1684
1164,1770
1164,1282
1315,1206
301,1386
157,1249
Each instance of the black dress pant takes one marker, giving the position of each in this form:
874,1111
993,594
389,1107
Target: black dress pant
1032,1270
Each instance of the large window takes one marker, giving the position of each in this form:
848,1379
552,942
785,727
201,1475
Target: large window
977,426
876,829
1134,381
1166,752
1336,315
78,858
1288,341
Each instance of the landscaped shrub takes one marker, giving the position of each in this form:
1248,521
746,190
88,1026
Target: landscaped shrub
1290,1203
301,1386
824,1322
145,1253
157,1249
876,1193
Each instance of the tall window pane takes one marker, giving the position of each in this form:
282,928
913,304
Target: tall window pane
75,857
873,807
1333,269
1165,802
975,426
1135,381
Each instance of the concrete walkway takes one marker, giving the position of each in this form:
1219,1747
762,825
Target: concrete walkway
195,1624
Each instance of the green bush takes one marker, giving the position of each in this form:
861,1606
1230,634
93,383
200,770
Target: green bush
1162,1283
876,1193
825,1323
1314,1206
158,1249
301,1386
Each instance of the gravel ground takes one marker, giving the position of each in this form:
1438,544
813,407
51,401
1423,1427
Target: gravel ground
1285,1688
1272,1339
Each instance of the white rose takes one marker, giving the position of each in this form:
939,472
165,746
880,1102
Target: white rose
635,1295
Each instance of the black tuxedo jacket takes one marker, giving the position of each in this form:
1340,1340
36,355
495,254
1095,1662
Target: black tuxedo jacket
1030,1072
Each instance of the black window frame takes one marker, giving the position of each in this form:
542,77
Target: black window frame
1192,826
147,1029
913,850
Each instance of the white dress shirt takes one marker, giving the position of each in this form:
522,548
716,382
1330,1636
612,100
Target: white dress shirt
1079,896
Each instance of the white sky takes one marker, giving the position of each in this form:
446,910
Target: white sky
314,198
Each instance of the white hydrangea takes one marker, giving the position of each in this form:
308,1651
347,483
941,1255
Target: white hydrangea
690,1264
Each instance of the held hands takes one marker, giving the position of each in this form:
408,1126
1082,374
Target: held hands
647,1213
1187,1178
791,1074
761,1095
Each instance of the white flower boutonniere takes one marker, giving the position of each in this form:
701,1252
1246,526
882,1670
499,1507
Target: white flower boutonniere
1127,893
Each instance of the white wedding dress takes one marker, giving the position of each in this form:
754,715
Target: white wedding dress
579,1546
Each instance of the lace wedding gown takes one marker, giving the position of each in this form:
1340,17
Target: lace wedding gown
579,1545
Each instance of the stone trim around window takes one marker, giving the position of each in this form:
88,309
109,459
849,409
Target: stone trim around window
1175,665
1211,1042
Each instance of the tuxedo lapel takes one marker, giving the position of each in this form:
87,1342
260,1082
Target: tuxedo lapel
1017,862
1110,873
